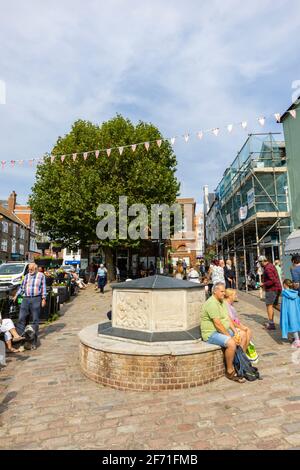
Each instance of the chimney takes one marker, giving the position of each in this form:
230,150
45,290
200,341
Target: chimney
12,201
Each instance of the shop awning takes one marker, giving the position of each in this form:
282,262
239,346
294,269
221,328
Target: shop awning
292,244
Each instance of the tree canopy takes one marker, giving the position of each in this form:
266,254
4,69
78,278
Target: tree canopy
66,194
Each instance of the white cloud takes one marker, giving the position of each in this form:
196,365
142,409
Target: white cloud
182,65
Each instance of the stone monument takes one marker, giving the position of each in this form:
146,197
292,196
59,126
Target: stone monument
153,341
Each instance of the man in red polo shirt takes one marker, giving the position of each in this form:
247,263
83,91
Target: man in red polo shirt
272,287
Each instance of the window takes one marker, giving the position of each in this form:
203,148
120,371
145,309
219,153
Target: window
22,233
21,249
4,226
14,230
4,245
11,268
33,246
13,245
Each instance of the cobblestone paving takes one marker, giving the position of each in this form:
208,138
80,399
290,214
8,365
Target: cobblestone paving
46,402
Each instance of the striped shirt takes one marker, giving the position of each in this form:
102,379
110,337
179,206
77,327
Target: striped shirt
33,285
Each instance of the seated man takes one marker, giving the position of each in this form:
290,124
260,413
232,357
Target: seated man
218,328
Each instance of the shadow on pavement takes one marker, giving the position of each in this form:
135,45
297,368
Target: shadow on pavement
274,334
9,397
52,328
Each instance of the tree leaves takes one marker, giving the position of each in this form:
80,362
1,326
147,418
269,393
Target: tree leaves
65,195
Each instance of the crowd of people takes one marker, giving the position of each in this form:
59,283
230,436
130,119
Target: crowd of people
220,324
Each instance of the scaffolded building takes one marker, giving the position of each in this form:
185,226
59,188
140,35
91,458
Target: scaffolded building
253,214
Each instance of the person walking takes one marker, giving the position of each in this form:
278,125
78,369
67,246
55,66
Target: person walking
290,312
217,272
33,289
295,272
101,277
272,287
229,274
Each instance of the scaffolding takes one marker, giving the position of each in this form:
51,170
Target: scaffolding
252,205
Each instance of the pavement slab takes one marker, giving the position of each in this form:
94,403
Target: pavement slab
47,403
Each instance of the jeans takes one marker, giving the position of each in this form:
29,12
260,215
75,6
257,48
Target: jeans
101,283
30,305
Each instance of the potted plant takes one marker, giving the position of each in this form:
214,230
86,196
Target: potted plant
56,247
44,261
42,242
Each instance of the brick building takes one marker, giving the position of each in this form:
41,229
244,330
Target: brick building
186,247
18,231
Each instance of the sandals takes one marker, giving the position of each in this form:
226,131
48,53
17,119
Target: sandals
233,376
20,338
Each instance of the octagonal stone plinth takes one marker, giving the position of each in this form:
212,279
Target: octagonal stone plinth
157,304
133,365
153,341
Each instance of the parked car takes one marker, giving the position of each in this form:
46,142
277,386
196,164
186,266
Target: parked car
68,268
12,273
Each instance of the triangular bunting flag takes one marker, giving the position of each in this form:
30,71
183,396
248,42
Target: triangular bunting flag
97,153
200,135
133,147
230,127
159,142
108,151
3,164
262,121
216,131
147,145
74,156
20,162
244,124
186,137
62,158
121,150
85,155
12,162
30,162
52,158
277,117
293,113
172,140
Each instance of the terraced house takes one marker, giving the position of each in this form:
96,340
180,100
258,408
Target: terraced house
17,231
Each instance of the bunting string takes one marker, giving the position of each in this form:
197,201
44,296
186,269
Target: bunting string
158,142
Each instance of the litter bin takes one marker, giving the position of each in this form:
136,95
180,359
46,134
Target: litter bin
46,311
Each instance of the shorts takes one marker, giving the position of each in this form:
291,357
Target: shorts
272,297
219,339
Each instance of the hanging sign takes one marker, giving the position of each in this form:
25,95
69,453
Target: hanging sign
243,211
250,198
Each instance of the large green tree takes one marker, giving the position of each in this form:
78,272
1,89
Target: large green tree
66,194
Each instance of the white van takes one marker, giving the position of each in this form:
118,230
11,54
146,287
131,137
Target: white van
12,273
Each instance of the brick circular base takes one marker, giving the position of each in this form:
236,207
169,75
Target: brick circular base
126,371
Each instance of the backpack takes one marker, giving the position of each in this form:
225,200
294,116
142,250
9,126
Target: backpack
243,366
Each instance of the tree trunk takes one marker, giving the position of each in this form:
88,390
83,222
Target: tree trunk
109,264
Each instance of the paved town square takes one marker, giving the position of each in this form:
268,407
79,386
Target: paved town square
47,403
150,230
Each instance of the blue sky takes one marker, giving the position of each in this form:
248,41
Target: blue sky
184,66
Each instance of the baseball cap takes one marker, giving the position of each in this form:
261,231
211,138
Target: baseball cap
262,258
